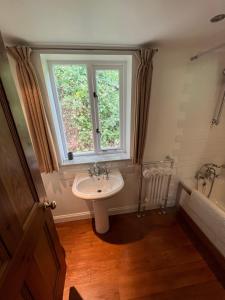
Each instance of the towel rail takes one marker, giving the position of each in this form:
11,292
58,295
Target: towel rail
157,186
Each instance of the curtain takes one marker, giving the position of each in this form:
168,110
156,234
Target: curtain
34,109
142,101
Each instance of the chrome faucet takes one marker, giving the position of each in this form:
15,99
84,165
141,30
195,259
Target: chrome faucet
208,171
97,170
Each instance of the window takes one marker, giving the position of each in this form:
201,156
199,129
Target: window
90,105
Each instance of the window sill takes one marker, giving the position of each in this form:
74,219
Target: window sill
96,158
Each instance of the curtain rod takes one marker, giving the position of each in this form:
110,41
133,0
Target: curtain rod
87,48
202,53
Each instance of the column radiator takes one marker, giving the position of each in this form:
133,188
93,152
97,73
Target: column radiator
156,178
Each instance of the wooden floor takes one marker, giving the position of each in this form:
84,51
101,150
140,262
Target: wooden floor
139,259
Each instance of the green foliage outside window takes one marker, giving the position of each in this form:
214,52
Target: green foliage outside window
73,94
108,104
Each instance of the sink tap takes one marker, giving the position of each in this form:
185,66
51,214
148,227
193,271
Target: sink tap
97,170
94,170
90,172
106,172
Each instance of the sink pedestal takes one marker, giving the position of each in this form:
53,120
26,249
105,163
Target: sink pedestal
101,216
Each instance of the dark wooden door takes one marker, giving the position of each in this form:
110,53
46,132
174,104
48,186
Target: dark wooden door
32,261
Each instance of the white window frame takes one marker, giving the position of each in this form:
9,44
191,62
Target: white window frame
121,67
122,152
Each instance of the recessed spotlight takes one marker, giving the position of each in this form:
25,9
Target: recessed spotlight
217,18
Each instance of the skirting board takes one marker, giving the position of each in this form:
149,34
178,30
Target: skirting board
89,214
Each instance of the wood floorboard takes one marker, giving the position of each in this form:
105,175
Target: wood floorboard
138,259
206,290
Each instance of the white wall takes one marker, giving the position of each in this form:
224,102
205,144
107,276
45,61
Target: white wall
184,95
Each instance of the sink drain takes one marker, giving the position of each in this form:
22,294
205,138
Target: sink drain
99,191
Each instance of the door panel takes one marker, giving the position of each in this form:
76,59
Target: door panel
40,289
32,261
13,177
4,257
49,259
24,294
10,228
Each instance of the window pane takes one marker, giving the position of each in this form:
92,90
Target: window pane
108,91
72,88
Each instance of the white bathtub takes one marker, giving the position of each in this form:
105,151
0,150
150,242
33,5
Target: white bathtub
208,213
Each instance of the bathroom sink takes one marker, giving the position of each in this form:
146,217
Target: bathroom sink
97,187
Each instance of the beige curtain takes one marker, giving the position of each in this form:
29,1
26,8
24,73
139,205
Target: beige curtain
34,110
142,101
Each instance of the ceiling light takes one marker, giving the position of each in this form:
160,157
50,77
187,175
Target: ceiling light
217,18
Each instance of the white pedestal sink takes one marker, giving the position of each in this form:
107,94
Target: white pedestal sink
97,189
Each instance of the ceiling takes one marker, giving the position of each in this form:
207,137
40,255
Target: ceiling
119,22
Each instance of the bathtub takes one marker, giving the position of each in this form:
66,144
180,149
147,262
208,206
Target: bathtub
207,213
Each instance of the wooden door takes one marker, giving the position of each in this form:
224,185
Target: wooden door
32,261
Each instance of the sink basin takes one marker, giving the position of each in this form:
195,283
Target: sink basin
97,187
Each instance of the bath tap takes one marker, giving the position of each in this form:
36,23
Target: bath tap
208,171
222,166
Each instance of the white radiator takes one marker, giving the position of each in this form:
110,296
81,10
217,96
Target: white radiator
156,182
